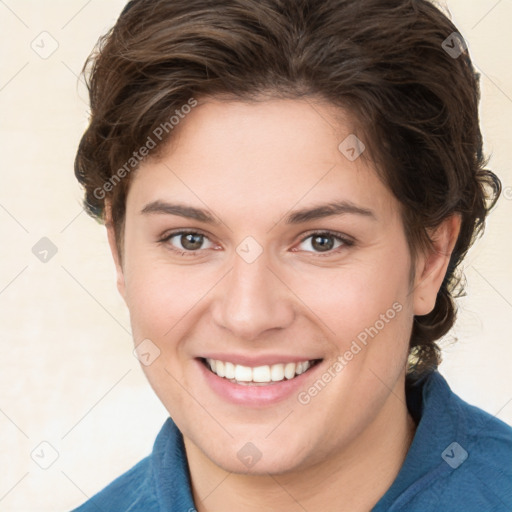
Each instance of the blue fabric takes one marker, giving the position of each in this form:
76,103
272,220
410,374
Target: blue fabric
460,460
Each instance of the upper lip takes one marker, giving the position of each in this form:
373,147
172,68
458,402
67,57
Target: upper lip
260,360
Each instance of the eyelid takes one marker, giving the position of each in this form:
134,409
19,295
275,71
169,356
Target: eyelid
183,231
346,240
329,232
170,234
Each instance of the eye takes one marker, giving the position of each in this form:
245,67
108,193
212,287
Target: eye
325,241
189,242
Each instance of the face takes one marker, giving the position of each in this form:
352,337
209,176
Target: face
224,267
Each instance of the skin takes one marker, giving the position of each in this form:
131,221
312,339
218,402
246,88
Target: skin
250,165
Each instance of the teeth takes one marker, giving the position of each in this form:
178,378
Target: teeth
277,372
229,368
243,373
259,374
289,370
219,368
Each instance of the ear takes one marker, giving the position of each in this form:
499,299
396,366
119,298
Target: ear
431,266
112,241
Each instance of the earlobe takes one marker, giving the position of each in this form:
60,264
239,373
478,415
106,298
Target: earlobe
432,266
112,241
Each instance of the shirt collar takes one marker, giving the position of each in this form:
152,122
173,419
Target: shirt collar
430,402
170,469
435,410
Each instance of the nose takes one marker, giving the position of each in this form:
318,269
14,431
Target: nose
253,300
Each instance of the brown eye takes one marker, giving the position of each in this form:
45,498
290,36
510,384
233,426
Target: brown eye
186,242
326,242
322,243
191,241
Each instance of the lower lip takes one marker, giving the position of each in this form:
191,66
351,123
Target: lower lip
259,395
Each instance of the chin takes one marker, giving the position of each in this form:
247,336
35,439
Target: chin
259,456
274,464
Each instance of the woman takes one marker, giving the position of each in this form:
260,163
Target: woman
289,188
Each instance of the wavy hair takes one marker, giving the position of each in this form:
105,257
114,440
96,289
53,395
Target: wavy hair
398,66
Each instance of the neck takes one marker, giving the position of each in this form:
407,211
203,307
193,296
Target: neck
352,480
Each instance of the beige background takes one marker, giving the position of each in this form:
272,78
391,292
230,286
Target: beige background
67,373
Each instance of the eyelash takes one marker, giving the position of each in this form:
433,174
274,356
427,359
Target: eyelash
346,242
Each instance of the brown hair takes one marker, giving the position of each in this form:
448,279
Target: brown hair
397,65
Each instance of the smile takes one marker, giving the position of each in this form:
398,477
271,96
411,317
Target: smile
259,375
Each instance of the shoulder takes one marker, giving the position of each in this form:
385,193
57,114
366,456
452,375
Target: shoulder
158,482
474,451
481,462
130,492
487,439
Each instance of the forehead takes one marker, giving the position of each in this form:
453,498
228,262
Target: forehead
270,155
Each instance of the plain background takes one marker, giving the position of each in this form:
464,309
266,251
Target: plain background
68,378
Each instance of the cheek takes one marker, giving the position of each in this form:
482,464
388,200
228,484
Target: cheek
351,299
345,301
159,299
160,295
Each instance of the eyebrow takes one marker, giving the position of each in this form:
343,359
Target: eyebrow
328,210
295,217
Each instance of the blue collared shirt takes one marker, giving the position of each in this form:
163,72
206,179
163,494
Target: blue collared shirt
460,460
